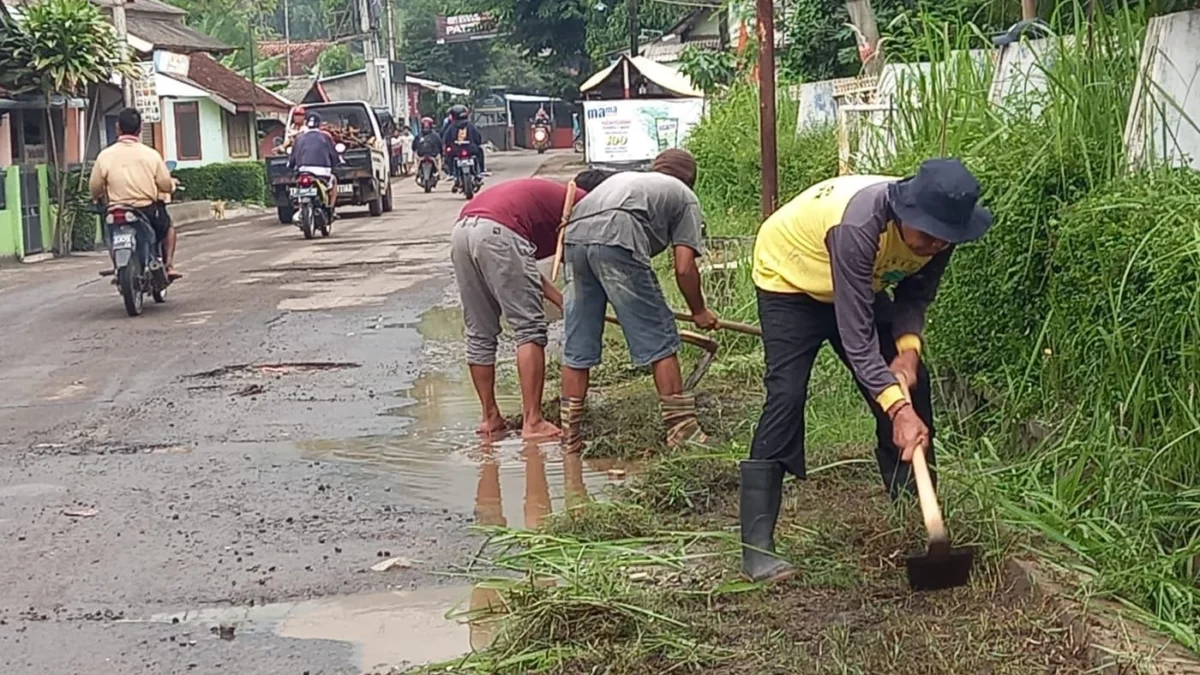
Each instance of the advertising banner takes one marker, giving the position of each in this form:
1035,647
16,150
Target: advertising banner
635,130
464,27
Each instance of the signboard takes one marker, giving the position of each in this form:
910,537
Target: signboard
635,130
464,27
145,93
170,63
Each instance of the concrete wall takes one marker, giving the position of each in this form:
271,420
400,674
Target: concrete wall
213,144
1164,120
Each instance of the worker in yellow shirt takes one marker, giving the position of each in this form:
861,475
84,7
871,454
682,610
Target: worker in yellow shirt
823,265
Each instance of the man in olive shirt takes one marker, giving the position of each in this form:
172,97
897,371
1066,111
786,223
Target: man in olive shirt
132,173
627,220
822,266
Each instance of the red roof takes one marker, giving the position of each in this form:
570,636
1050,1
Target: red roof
304,54
208,74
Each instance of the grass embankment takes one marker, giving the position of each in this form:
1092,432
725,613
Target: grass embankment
649,582
1064,346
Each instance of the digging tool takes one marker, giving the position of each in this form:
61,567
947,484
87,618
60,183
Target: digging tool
941,566
735,326
568,204
707,344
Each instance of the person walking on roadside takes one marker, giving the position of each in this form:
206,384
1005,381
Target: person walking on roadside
627,220
822,267
495,245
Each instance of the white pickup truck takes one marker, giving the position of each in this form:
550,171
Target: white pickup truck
362,179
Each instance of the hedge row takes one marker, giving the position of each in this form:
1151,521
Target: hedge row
244,182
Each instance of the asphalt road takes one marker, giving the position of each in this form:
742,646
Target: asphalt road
242,455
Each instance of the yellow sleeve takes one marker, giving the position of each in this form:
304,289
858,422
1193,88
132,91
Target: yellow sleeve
890,397
908,342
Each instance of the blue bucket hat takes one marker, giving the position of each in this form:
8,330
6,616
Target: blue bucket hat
941,201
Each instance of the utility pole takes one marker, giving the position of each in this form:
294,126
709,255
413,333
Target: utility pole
862,17
122,30
766,105
253,93
372,70
1028,9
633,28
390,12
287,39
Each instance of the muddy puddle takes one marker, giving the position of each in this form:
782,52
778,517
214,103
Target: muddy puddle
437,459
385,629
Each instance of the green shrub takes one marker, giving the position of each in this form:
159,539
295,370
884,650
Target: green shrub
232,182
729,161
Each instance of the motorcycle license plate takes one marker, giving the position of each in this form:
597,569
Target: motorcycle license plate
123,240
345,189
304,192
465,163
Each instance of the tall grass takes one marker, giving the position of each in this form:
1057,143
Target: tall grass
1067,342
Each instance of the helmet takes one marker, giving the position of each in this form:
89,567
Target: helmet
426,122
312,120
459,112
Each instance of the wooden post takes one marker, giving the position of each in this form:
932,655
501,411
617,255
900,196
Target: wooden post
766,104
1028,9
634,29
862,17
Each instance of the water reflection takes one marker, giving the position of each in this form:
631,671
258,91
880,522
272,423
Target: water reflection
438,460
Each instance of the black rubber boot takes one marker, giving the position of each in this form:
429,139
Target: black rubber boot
762,490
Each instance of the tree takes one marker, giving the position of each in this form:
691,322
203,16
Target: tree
710,71
69,46
338,59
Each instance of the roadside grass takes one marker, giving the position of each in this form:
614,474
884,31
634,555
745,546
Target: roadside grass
648,582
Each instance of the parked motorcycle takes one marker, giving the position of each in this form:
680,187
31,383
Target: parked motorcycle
466,173
427,174
137,257
541,138
313,204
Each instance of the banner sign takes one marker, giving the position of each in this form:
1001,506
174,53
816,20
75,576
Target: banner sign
464,27
635,130
145,93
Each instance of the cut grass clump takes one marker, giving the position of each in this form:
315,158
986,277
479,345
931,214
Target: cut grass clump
688,483
601,521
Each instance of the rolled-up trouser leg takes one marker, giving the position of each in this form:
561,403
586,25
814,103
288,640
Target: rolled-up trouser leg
509,265
481,309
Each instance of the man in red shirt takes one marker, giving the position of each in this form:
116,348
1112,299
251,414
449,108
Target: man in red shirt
495,246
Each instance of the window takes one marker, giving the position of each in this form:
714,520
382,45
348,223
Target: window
187,130
237,132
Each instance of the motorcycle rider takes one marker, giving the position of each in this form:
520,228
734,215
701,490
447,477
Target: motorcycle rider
133,174
429,143
294,129
315,153
462,130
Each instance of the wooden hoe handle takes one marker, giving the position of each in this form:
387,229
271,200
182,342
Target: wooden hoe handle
568,204
930,510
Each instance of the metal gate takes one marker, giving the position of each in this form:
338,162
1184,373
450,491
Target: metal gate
31,211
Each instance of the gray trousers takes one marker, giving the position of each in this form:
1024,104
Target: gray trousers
497,274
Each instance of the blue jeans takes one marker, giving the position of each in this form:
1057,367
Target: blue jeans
598,274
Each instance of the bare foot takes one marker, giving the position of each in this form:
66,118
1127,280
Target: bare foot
492,425
172,274
542,429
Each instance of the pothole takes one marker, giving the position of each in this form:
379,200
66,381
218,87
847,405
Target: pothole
274,369
389,629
